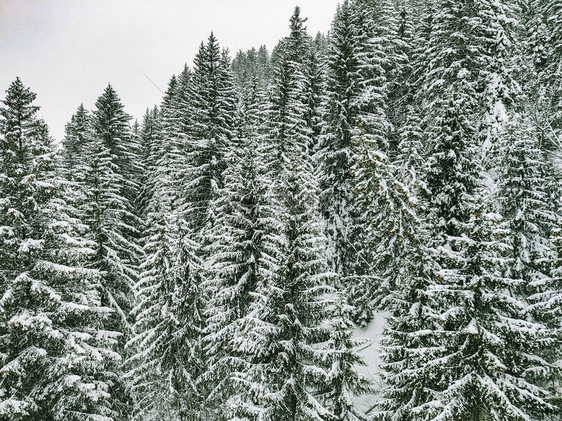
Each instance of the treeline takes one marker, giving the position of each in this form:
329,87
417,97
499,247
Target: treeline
213,262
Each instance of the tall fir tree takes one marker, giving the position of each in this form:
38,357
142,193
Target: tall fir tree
57,361
525,177
105,186
75,139
243,262
335,154
147,139
292,109
212,101
287,374
109,185
356,96
286,333
166,349
111,125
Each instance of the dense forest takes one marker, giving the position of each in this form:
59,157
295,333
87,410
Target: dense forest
213,261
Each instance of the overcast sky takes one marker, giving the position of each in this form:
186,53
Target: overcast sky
68,50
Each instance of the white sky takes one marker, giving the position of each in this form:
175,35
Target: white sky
68,50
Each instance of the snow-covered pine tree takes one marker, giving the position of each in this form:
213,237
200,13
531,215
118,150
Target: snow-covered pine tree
553,304
552,9
206,105
75,140
109,184
335,152
285,335
356,94
77,134
314,90
243,261
477,54
410,153
147,139
534,52
524,178
111,124
263,66
466,71
407,268
485,361
343,383
374,60
391,29
473,363
183,117
212,102
57,360
105,210
166,350
286,372
288,100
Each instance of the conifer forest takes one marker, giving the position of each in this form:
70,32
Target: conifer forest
216,260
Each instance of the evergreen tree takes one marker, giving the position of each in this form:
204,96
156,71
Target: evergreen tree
343,382
286,125
549,308
166,359
314,91
111,125
552,9
524,178
104,187
477,55
75,140
107,210
410,154
286,330
166,350
336,153
356,95
57,360
482,329
212,103
243,262
286,375
147,139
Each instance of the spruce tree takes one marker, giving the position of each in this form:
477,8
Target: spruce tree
525,177
111,125
286,331
411,153
244,260
75,140
166,351
105,187
57,360
343,382
552,9
109,185
469,339
286,375
212,103
356,95
147,139
288,101
336,153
